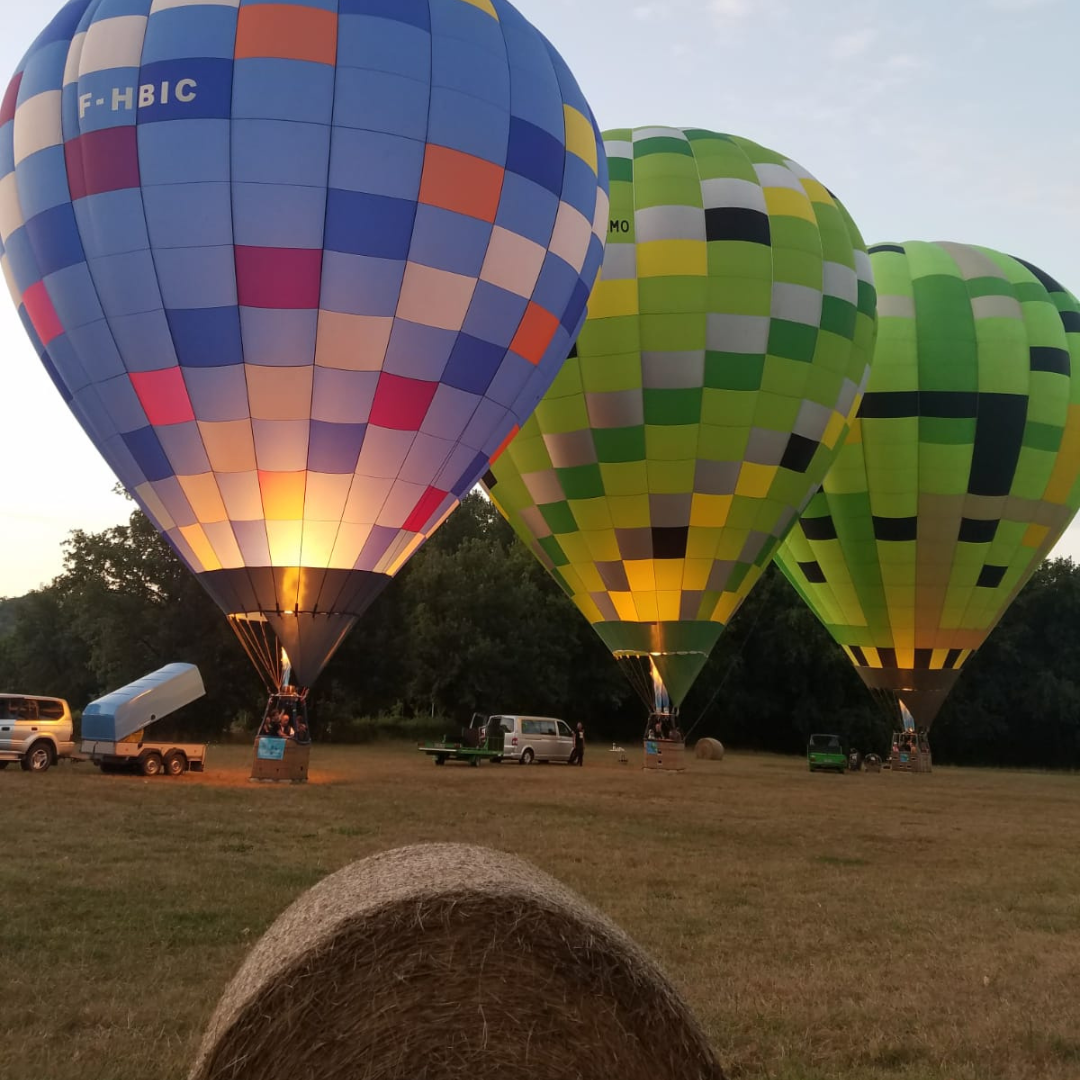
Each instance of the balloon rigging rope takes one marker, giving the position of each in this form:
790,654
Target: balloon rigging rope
261,647
640,679
727,674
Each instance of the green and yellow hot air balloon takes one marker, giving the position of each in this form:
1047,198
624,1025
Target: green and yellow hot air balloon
960,474
724,354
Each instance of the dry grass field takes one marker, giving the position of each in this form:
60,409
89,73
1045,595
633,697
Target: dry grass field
823,927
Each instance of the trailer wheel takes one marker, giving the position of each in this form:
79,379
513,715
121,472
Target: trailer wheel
38,758
175,763
474,761
440,759
4,765
150,763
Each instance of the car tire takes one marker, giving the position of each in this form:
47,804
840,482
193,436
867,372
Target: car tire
527,756
150,764
38,758
175,763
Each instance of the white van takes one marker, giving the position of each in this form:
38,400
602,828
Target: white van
34,731
536,738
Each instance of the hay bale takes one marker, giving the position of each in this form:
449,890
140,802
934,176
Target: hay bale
449,962
709,749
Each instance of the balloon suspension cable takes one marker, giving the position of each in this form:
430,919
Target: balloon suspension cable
262,648
889,704
638,670
727,674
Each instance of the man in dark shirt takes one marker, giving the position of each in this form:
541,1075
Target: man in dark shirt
578,756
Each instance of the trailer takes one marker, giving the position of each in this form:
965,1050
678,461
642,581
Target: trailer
114,727
482,740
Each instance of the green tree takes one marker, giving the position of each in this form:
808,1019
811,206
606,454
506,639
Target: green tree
40,651
1018,699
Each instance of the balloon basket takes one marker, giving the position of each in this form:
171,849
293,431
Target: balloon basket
665,755
281,760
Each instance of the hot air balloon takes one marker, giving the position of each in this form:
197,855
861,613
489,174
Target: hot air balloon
723,355
959,476
299,269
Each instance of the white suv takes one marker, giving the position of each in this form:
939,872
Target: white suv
34,731
536,738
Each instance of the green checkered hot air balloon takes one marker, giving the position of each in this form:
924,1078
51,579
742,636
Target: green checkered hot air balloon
724,354
960,474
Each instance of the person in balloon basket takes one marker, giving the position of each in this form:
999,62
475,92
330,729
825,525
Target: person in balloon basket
285,723
577,757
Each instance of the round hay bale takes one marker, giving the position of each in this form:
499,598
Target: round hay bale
449,962
709,749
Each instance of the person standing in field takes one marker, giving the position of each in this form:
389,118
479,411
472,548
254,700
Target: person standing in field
578,755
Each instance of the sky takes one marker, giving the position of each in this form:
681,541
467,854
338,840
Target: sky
931,120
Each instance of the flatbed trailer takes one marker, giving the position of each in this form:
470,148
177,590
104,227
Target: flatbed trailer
482,740
151,758
443,752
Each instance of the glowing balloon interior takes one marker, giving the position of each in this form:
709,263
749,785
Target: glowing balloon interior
960,475
299,269
713,382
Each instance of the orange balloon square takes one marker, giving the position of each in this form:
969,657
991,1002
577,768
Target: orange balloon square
535,333
460,182
286,32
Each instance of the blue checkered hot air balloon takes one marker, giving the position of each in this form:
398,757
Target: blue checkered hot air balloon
300,270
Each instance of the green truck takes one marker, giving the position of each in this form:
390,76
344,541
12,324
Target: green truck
826,752
482,740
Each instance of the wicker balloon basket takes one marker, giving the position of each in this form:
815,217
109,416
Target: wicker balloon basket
281,759
665,755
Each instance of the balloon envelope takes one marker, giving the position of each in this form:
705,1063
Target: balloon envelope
712,384
299,270
960,474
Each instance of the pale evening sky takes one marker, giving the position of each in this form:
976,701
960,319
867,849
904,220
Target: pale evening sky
932,121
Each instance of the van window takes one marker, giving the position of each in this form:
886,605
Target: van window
28,710
564,729
548,727
51,710
507,723
532,727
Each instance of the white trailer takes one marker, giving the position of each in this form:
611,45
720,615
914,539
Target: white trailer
113,727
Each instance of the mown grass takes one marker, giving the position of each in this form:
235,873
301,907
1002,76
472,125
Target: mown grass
823,927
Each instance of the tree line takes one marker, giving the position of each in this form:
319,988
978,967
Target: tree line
474,624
